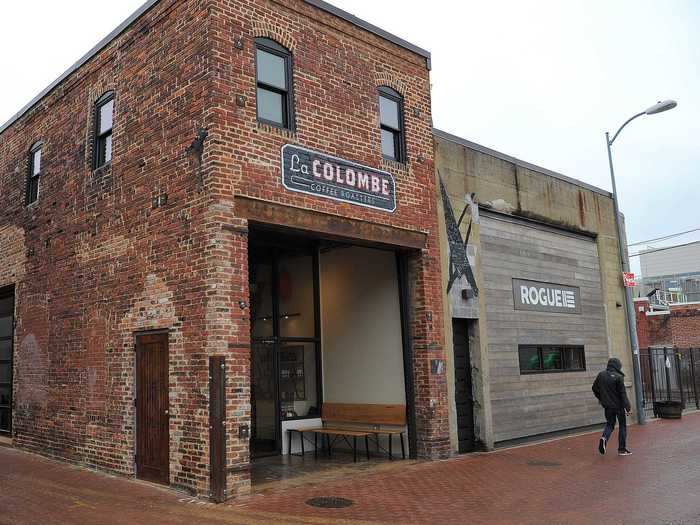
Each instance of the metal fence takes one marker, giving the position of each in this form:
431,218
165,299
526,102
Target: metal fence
670,374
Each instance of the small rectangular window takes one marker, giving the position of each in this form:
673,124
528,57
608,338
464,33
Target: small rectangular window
530,359
32,194
106,117
104,120
273,66
550,358
271,107
36,162
391,124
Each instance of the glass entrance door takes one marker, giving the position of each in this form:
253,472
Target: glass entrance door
285,334
263,399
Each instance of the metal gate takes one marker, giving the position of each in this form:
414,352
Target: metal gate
670,374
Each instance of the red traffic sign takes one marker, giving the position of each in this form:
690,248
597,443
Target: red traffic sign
628,279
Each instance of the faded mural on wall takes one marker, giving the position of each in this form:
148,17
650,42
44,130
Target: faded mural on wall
461,283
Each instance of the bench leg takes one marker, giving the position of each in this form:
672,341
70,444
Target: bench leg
301,433
391,456
367,446
354,449
376,442
289,442
328,444
315,445
403,447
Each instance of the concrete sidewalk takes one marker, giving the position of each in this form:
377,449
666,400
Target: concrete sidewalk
563,481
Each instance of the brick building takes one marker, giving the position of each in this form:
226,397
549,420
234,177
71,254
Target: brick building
174,210
675,325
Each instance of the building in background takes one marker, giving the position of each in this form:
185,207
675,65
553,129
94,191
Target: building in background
674,272
672,325
668,309
533,295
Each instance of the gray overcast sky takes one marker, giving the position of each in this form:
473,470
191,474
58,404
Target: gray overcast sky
540,80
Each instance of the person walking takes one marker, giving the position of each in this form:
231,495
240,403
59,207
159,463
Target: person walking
609,388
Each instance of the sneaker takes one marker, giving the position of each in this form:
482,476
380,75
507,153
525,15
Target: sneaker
602,445
624,452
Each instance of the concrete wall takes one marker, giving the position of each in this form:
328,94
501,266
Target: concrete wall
521,190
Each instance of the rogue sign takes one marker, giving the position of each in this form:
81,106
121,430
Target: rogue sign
308,171
546,297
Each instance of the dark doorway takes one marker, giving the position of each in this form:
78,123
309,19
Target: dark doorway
7,309
217,429
285,333
464,397
152,408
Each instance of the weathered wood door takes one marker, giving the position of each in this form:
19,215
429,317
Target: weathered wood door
7,309
152,408
464,398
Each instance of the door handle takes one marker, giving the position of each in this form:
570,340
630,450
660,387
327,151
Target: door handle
167,412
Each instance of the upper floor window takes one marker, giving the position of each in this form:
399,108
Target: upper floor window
391,123
273,73
104,112
34,173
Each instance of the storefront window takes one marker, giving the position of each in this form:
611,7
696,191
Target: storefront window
5,349
548,358
551,358
285,354
529,359
261,301
297,380
573,359
296,296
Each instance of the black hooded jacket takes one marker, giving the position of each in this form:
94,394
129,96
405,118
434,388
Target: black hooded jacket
609,387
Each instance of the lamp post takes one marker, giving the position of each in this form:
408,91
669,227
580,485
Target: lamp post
629,303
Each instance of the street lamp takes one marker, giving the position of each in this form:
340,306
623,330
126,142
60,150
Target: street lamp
659,107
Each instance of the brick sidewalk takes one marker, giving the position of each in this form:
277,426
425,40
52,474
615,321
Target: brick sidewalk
563,481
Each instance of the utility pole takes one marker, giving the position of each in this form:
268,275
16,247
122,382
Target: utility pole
624,262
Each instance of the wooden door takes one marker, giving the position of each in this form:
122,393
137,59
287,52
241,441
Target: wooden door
7,309
152,408
464,398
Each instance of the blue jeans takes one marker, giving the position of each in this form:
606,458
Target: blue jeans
610,415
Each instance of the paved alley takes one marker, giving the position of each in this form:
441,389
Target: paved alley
562,481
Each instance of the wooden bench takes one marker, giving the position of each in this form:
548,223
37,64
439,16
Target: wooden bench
346,420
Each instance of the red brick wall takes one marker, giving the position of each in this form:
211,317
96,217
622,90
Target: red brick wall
685,326
652,330
95,262
641,322
337,70
680,327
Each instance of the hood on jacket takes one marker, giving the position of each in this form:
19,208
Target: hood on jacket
615,365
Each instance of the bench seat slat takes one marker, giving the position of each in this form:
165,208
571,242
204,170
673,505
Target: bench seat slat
340,431
364,414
